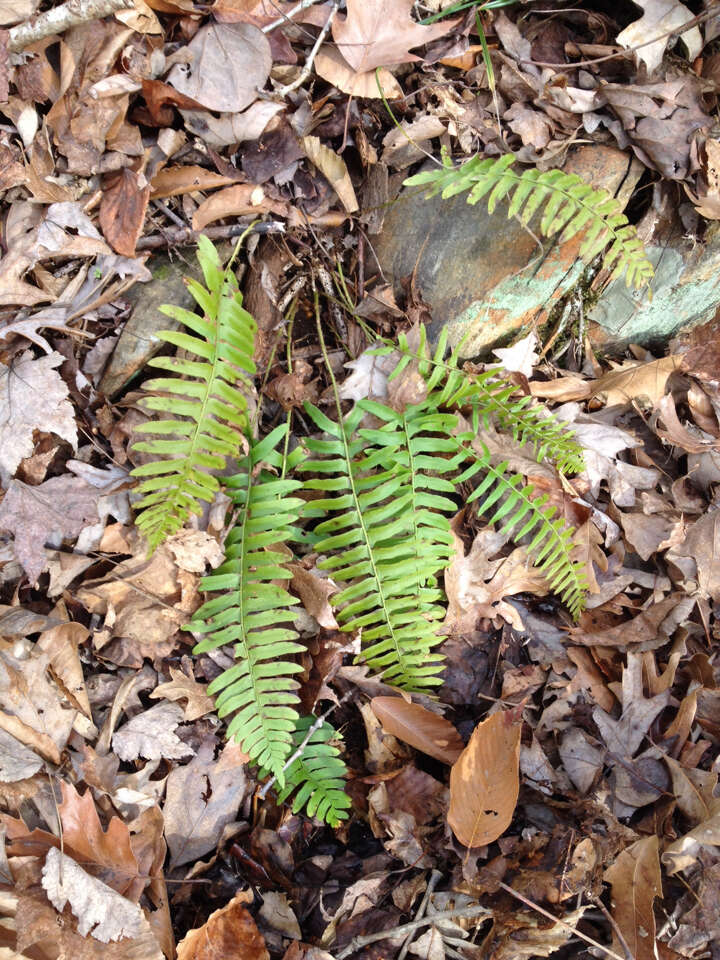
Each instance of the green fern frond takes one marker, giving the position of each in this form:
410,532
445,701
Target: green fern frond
387,536
318,775
487,396
252,612
551,546
207,404
568,205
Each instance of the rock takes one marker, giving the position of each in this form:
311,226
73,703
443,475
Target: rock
138,340
485,276
685,292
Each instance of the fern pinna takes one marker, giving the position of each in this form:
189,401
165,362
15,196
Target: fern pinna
253,612
209,396
570,205
317,775
388,537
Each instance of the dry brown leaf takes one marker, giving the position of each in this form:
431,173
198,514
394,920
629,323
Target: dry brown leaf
485,781
182,687
231,62
333,167
228,932
676,433
123,205
35,397
660,19
420,728
701,547
376,33
315,593
635,380
152,735
242,200
635,882
61,644
330,65
643,627
175,181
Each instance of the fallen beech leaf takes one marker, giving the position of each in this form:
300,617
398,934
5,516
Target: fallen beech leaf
660,19
34,397
122,210
175,181
413,724
242,200
635,881
333,167
228,932
101,912
485,781
330,65
231,62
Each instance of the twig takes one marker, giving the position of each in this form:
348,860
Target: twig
305,72
262,793
618,932
61,18
435,878
546,913
186,237
303,5
406,928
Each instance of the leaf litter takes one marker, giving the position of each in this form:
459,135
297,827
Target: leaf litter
559,794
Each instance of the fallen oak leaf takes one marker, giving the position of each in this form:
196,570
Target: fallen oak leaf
228,932
636,380
485,780
641,629
660,19
418,727
182,687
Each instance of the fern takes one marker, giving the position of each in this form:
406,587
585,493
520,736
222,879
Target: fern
570,206
210,400
317,775
387,535
489,396
551,546
252,611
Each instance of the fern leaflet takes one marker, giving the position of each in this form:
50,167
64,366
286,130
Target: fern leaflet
570,205
252,611
210,401
318,775
386,534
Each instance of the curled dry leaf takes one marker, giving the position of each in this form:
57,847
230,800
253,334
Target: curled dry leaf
228,932
242,200
485,780
417,726
175,181
333,167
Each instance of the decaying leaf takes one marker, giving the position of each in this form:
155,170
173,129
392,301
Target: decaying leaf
485,781
182,687
229,931
635,881
661,19
152,735
413,724
101,912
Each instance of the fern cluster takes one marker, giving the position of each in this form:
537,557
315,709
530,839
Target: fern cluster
568,205
372,493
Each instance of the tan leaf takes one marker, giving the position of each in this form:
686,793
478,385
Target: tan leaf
660,19
182,687
413,724
242,200
228,932
175,181
122,210
152,735
333,167
330,65
485,781
315,593
635,881
61,645
676,433
376,33
636,380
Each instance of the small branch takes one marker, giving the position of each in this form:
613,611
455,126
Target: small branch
435,878
357,942
546,913
298,8
305,72
61,18
186,237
